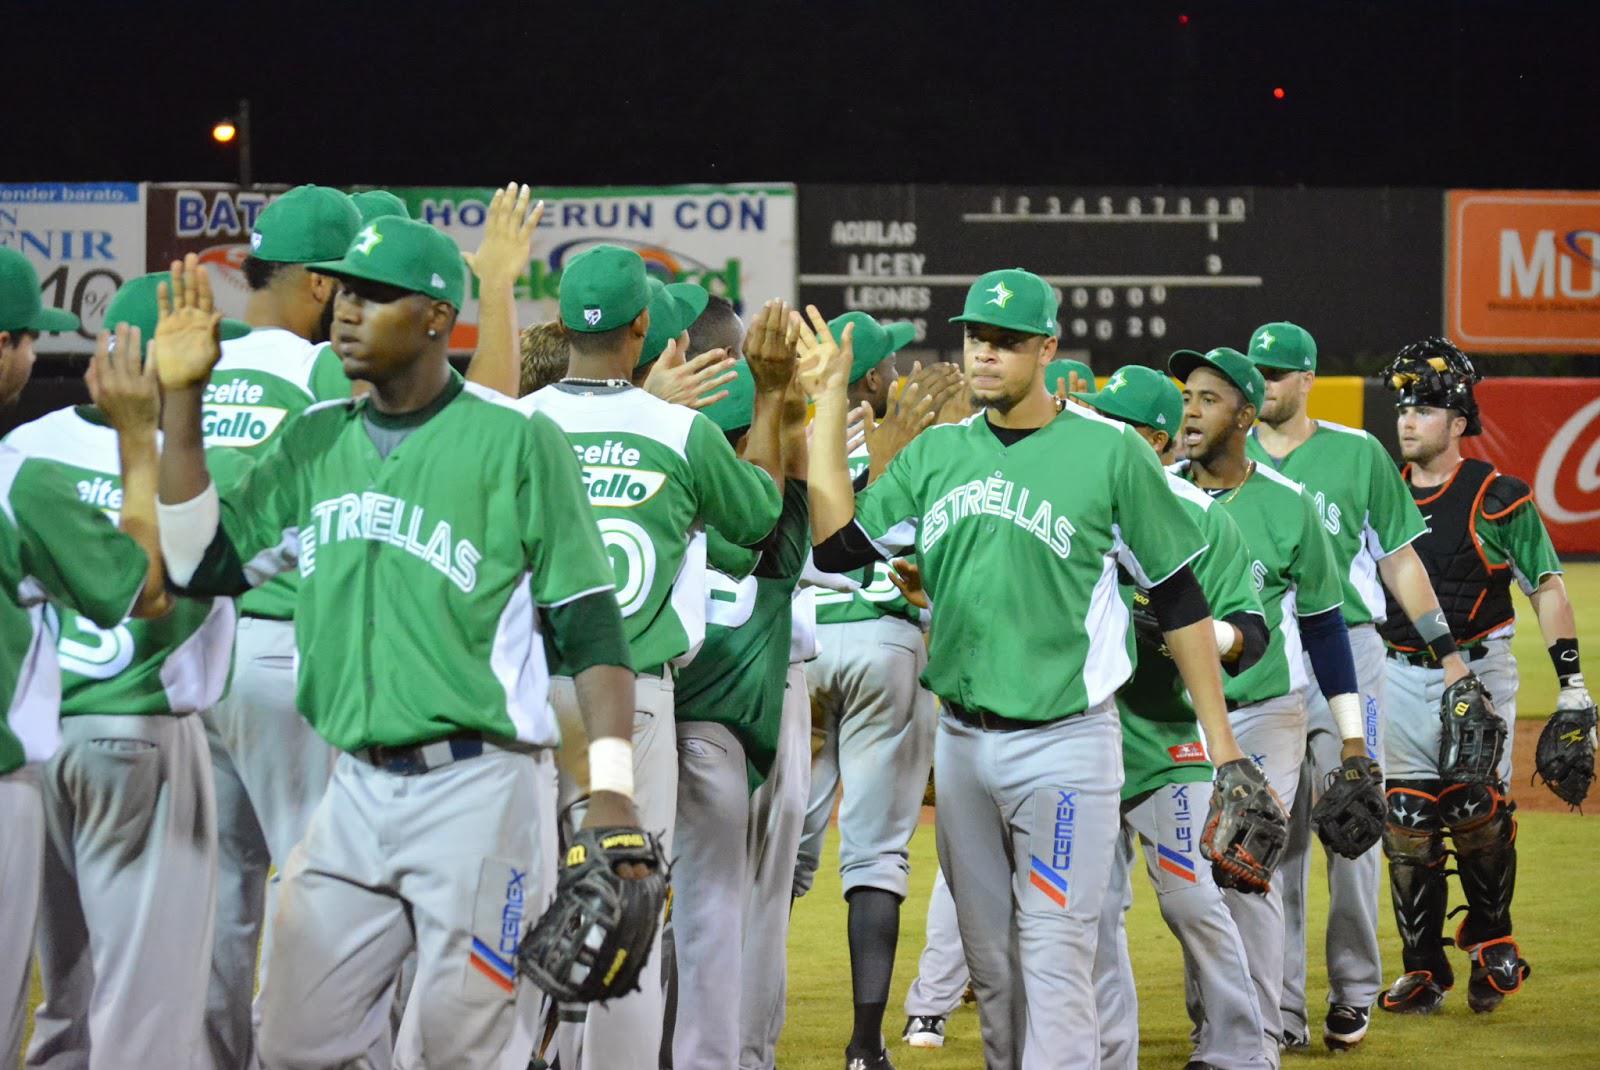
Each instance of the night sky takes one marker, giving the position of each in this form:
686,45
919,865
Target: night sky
1374,93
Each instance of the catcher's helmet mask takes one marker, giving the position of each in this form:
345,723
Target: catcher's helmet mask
1436,374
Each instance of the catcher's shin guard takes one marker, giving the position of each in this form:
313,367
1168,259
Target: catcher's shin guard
1413,840
1484,833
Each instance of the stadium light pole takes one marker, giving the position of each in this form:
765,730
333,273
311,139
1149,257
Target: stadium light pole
236,131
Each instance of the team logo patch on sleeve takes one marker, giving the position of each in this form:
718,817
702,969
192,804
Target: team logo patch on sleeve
499,917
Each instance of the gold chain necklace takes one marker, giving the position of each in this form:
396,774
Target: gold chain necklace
1249,470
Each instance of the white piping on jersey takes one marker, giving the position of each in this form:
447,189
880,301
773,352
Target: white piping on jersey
687,596
1188,491
1276,476
35,713
1105,664
11,460
274,350
67,438
1293,649
194,673
607,588
516,657
489,394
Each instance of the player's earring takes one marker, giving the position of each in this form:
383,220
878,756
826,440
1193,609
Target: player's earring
433,333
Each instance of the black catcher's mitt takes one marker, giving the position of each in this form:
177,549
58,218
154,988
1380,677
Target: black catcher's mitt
593,942
1474,736
1246,829
1564,759
1350,815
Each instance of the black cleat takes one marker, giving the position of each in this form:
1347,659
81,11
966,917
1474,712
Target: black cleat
879,1061
1294,1043
924,1031
1414,993
1345,1027
1498,970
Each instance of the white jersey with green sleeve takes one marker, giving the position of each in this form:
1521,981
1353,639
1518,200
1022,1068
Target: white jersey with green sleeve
1362,502
262,380
175,664
52,546
423,572
1292,566
656,475
1020,546
875,594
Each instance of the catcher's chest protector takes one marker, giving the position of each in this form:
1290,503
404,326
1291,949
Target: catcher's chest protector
1450,555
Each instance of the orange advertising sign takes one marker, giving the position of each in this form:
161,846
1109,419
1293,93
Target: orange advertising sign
1522,271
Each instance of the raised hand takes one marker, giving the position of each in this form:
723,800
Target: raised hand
906,575
910,412
769,346
507,244
122,384
694,382
188,327
824,364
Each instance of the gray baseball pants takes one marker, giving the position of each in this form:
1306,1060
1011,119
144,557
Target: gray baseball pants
1028,824
1355,969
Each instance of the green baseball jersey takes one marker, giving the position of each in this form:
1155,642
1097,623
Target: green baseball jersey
172,665
1292,567
422,572
1160,736
876,595
262,380
1362,502
738,676
1518,537
656,475
1019,553
52,546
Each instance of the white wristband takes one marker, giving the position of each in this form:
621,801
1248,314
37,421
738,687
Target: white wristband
611,765
187,529
1227,635
1346,710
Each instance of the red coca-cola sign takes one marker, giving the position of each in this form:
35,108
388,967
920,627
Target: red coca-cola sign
1547,432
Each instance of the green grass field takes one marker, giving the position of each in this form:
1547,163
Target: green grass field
1545,1025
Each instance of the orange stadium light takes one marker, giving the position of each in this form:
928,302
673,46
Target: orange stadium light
224,131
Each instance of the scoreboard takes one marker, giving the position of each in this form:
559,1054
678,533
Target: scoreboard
1140,271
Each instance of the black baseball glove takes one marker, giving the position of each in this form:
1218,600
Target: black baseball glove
594,941
1246,829
1564,759
1350,815
1474,736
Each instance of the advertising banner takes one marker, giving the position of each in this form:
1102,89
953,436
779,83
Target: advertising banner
1522,271
1140,271
84,239
1547,432
737,241
213,220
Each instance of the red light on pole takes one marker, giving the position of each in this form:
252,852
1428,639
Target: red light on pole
1277,93
1183,20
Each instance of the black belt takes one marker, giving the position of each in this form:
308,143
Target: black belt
418,758
1424,660
988,722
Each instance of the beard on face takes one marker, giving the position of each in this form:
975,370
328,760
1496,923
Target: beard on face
325,324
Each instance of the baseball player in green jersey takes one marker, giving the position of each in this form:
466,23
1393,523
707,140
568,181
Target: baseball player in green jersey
268,766
58,554
1292,565
443,549
1019,555
879,723
730,706
129,879
1163,758
376,203
1063,377
1371,523
656,474
1483,532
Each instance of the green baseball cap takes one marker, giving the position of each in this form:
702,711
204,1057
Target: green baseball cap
603,288
1139,395
1014,299
404,253
1233,365
673,306
135,304
735,411
872,341
376,203
305,225
1058,371
21,307
1283,345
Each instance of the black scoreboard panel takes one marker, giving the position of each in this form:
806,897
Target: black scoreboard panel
1140,272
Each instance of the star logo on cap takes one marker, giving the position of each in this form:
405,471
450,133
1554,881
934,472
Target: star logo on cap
1001,294
1118,381
437,282
367,239
1265,339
